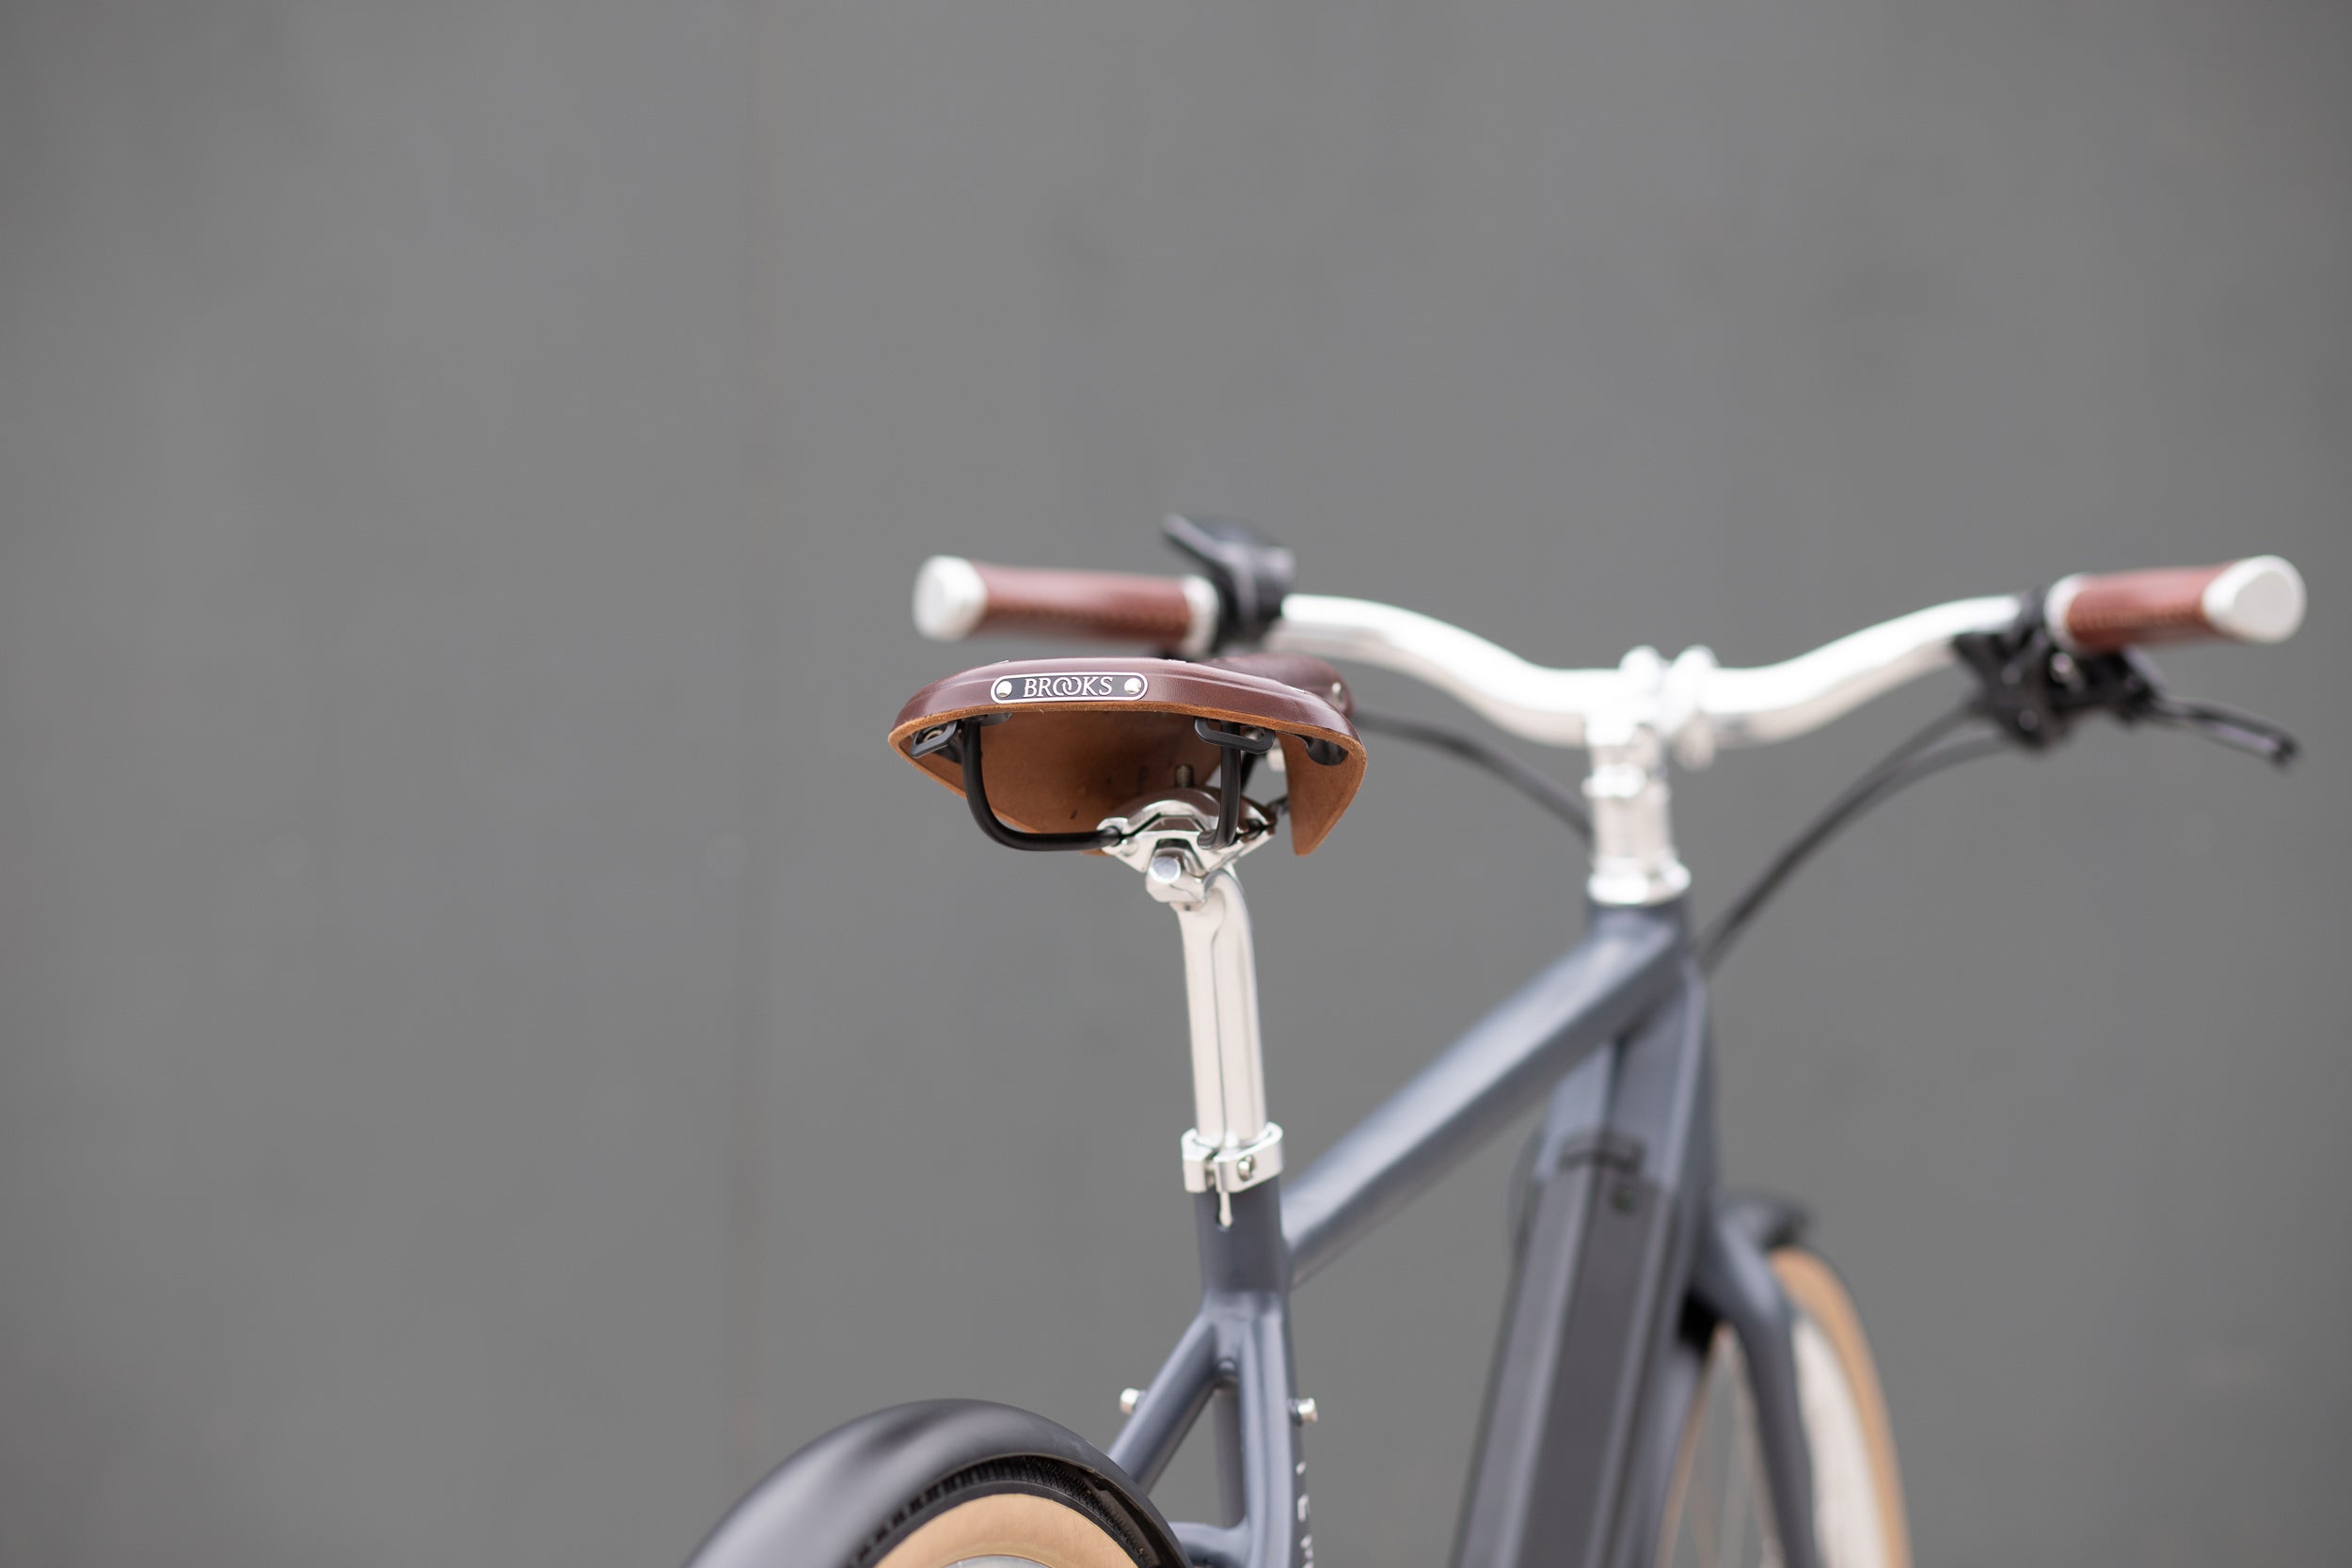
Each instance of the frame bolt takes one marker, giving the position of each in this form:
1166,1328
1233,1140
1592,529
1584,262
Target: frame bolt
1304,1412
1128,1400
1246,1164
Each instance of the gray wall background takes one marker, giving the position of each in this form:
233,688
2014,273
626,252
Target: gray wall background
493,1052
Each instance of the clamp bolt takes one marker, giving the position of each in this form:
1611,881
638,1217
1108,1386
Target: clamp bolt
1303,1411
1128,1400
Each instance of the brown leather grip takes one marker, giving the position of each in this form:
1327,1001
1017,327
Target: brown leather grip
2256,600
955,598
2116,609
1113,607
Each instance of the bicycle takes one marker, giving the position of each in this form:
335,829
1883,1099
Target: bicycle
1679,1376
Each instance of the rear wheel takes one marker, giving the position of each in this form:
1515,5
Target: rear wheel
1718,1512
1005,1514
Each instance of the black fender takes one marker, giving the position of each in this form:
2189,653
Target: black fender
824,1506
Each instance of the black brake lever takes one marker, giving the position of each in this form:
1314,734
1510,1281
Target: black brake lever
2241,732
2032,690
1252,573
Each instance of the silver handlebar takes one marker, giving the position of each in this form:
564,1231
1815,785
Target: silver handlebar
1692,704
1628,719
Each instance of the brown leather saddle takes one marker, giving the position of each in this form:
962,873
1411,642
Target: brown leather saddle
1069,741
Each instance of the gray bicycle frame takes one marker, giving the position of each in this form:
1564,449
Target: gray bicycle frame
1627,1261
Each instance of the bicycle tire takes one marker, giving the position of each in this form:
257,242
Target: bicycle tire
940,1482
1004,1516
1717,1510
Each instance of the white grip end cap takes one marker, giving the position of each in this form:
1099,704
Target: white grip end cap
949,599
2258,599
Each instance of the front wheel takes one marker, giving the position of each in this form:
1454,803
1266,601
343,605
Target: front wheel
1004,1515
947,1483
1718,1512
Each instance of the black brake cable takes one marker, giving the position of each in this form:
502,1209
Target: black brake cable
1554,797
2128,689
1907,763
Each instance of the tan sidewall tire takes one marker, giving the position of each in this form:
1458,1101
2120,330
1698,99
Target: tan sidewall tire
1820,1296
1010,1523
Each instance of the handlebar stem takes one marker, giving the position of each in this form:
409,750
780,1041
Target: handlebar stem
1635,863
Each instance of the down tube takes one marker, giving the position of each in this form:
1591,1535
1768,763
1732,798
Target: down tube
1616,1206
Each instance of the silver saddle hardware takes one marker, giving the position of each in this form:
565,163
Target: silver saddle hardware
1110,756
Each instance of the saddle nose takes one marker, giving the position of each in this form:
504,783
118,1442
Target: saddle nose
1073,740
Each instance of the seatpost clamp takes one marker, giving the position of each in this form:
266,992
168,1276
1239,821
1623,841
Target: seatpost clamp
1226,1169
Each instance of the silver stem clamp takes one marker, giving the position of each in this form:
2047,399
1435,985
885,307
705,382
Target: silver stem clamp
1635,863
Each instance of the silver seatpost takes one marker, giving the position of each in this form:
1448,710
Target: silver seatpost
1230,1146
